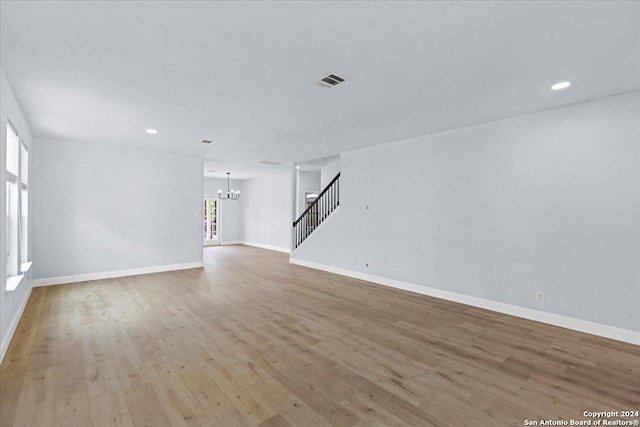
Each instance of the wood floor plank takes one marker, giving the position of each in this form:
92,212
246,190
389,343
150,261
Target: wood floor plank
11,385
110,408
107,402
240,393
144,406
178,403
216,407
251,340
72,410
276,421
36,403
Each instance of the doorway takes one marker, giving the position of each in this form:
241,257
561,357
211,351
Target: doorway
312,214
211,221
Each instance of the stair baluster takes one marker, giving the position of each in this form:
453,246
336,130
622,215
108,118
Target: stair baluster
319,210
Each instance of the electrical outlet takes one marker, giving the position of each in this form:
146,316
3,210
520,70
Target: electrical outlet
159,257
540,296
368,264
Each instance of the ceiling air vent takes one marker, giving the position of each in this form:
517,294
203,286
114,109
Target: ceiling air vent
269,162
331,80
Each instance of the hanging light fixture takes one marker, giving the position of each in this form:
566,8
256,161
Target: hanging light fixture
231,194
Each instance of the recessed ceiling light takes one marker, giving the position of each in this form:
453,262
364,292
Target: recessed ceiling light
152,131
297,167
561,85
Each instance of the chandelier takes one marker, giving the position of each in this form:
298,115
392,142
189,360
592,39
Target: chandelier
231,194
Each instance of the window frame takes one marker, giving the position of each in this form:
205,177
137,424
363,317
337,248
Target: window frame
23,214
16,212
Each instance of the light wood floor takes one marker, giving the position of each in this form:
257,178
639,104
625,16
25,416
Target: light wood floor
253,340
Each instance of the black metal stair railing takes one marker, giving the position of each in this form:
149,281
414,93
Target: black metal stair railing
326,202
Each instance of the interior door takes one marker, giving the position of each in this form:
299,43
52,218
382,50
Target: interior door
211,221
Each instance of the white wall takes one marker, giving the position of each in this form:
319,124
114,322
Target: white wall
266,211
103,209
329,170
11,303
308,182
229,210
546,201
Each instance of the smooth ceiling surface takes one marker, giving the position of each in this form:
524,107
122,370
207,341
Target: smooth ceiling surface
243,73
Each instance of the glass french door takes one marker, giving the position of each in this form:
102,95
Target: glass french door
211,221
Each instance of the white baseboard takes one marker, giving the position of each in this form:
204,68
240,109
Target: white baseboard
263,246
626,335
6,339
231,242
116,273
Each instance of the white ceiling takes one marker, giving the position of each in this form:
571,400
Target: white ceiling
243,73
219,168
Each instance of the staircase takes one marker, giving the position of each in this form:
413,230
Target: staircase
319,210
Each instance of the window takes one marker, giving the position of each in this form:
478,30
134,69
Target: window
17,158
24,204
13,165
